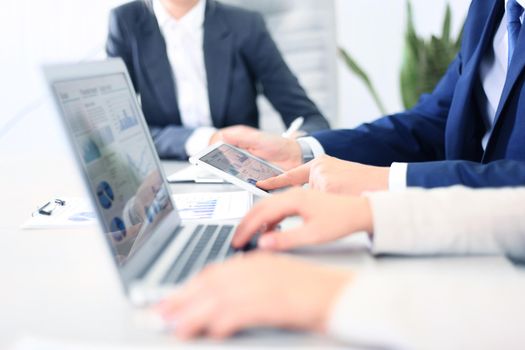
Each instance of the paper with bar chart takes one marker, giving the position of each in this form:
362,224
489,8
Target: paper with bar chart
213,205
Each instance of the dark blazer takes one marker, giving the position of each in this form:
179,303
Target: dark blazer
441,136
241,60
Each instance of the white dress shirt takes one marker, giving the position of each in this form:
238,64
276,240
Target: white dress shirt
184,45
454,220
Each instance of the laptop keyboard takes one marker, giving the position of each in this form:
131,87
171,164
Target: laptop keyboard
217,245
196,252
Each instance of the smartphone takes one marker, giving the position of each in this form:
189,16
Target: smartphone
236,166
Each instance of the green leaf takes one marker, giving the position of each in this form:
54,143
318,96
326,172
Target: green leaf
360,73
457,44
447,24
414,58
425,61
412,41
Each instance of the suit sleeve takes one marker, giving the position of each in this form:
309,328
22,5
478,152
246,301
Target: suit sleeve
170,140
416,135
118,43
499,173
278,83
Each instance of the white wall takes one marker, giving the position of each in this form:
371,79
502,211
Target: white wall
373,31
44,31
33,33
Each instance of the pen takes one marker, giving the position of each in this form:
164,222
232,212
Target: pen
294,127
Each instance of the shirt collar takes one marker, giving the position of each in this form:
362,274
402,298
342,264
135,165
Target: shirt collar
194,19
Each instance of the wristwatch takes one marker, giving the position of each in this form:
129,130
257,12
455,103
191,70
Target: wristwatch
306,150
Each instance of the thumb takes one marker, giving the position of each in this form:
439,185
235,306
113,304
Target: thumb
240,136
294,177
285,240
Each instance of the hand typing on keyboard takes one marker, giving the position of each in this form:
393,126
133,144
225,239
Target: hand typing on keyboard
250,290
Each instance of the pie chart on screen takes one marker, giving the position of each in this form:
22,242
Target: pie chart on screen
118,229
105,195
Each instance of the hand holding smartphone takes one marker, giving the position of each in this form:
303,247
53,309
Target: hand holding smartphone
236,166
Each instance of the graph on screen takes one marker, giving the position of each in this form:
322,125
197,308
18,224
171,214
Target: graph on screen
126,121
122,112
240,165
141,165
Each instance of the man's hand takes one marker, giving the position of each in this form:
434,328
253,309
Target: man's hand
271,290
283,152
327,217
216,137
329,174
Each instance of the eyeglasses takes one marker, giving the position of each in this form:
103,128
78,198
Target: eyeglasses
49,207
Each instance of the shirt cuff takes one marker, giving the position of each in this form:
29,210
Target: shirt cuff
314,145
397,178
199,140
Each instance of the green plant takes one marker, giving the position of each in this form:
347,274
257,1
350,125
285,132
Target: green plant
424,61
360,73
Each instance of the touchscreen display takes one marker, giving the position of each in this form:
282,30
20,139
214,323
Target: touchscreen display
239,164
120,164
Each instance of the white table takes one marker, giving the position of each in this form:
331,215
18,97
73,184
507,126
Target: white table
62,284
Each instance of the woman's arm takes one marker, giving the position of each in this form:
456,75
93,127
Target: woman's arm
455,220
118,42
390,307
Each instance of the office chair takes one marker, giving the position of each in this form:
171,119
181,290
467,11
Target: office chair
304,31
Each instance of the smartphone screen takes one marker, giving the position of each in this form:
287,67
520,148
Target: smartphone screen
239,164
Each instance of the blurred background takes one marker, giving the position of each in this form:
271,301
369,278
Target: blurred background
33,33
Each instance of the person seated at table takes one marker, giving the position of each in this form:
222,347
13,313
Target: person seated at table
198,66
469,131
261,289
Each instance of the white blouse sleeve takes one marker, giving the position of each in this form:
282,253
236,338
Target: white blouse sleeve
397,309
456,220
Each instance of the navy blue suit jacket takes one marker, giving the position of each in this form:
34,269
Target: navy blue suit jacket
241,59
441,136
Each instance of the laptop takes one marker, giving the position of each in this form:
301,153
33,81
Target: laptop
153,251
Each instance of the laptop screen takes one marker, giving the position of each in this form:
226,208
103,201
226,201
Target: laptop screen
103,119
